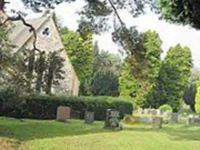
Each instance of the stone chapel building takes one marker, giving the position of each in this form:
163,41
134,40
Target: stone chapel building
49,40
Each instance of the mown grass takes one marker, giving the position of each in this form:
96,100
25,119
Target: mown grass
75,135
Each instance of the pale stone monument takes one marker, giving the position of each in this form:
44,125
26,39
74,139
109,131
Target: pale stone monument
112,119
192,120
89,117
157,122
174,117
63,113
154,112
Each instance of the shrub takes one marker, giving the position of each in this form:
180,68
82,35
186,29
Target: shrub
165,108
45,107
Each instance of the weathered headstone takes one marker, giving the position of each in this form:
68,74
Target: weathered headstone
174,117
192,120
154,112
89,117
146,120
63,113
157,122
112,119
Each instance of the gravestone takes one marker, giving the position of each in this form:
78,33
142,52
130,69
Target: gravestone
174,117
157,122
63,113
192,120
112,119
145,120
154,112
89,117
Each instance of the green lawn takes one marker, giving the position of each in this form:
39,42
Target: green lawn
75,135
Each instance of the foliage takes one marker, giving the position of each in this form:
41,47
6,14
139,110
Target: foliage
197,98
165,108
54,72
80,52
44,106
105,83
139,74
181,11
5,51
173,77
191,89
106,70
128,84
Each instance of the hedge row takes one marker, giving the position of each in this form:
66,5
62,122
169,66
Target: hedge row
45,107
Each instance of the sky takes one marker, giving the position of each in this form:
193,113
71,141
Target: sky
170,34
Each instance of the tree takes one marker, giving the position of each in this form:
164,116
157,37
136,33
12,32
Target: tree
80,52
197,99
173,77
143,70
95,17
191,89
54,72
105,83
186,12
40,67
127,83
106,71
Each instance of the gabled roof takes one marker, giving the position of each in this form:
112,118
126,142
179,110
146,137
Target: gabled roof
20,33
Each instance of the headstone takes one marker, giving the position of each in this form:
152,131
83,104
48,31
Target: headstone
63,113
154,112
174,117
193,120
157,122
112,119
145,120
89,117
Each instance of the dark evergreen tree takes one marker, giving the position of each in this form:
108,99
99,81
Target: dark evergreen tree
173,78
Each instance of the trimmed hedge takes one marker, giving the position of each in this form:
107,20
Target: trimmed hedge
45,107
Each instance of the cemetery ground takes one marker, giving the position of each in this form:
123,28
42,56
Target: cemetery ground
76,135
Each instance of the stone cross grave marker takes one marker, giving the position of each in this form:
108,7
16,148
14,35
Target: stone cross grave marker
89,117
63,113
112,119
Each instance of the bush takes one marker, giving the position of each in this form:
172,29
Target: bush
165,108
45,107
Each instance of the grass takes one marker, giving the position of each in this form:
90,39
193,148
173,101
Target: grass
75,135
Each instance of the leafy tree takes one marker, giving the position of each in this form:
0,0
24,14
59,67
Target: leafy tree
127,83
197,99
106,70
186,12
191,89
40,67
141,72
105,83
54,72
173,77
5,51
80,52
12,66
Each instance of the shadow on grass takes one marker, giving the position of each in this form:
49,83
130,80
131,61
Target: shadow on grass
33,129
25,130
175,132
